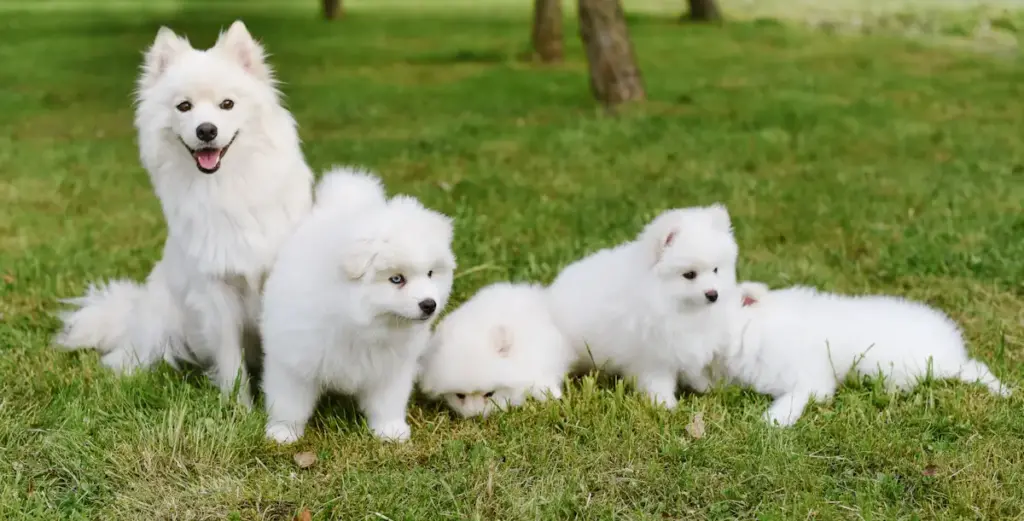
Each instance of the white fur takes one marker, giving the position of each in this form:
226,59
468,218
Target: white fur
496,350
334,320
630,310
799,344
224,228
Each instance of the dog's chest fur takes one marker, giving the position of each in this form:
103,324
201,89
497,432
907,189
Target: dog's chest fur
233,225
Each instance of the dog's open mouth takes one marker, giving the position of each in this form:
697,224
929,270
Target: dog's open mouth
208,158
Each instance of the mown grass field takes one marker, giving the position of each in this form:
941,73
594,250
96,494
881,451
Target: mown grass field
854,164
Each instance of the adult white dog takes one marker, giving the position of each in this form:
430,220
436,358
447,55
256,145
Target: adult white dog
223,156
652,309
798,344
349,304
496,350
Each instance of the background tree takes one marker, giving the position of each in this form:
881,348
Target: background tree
332,8
547,35
703,11
614,75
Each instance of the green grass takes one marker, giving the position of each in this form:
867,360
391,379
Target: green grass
857,165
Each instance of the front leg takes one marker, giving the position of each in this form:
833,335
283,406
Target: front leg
384,405
219,309
787,409
290,398
660,387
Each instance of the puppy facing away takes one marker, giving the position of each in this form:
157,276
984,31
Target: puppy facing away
223,157
798,344
349,304
652,309
495,351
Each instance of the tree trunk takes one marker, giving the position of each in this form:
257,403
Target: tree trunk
332,8
614,76
703,11
547,30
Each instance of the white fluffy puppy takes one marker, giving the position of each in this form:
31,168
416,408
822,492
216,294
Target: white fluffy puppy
651,309
349,304
223,156
496,350
798,344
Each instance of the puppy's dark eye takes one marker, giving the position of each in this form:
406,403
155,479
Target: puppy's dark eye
716,270
184,106
430,273
488,395
460,396
397,279
227,104
690,275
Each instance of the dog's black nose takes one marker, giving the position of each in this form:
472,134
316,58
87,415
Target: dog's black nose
206,132
428,306
711,295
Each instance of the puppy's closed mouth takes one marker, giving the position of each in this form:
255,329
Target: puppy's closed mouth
208,158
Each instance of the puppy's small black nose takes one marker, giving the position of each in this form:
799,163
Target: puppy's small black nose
206,132
428,306
711,295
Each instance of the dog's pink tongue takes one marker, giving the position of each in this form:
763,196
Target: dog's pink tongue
208,158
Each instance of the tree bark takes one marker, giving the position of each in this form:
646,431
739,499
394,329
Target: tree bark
614,75
703,11
547,30
332,8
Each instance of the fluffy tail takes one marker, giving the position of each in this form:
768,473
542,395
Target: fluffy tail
350,189
133,326
976,372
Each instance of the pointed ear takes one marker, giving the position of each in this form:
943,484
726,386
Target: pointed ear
165,49
238,45
753,292
501,339
720,217
660,234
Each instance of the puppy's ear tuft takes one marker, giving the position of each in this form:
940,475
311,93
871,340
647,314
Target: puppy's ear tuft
165,49
753,292
356,263
720,219
240,46
660,233
501,338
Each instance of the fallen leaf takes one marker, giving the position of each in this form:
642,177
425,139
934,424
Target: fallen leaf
696,427
930,470
304,515
8,278
305,459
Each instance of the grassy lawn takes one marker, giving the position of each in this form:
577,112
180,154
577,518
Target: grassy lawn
854,164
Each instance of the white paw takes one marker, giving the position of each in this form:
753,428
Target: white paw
122,362
282,434
665,400
781,417
392,431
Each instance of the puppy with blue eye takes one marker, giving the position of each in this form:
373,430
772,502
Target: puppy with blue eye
654,309
495,351
349,305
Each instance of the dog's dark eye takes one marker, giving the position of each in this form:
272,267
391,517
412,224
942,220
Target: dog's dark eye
430,274
460,396
716,270
690,275
488,395
397,279
184,106
227,104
